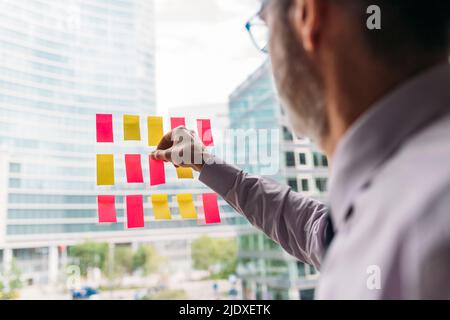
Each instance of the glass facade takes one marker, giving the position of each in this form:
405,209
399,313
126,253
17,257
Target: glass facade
251,106
267,272
61,63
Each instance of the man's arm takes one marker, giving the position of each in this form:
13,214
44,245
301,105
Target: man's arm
297,223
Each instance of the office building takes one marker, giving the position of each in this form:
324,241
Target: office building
266,270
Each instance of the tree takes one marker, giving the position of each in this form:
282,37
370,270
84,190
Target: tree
90,255
146,259
13,282
209,254
123,260
15,277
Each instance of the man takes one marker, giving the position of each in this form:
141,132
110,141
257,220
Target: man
378,103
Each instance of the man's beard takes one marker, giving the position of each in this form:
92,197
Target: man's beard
299,86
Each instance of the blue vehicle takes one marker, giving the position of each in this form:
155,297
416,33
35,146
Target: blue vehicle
85,293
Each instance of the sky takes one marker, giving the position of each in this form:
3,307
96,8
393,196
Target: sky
203,51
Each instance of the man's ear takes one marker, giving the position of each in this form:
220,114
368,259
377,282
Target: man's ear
306,21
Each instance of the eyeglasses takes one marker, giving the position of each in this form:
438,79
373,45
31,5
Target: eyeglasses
258,30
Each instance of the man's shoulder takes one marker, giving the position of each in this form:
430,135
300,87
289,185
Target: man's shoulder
419,172
411,188
425,156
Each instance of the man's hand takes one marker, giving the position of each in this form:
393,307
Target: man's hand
183,148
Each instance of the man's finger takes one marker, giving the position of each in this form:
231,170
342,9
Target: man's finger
163,155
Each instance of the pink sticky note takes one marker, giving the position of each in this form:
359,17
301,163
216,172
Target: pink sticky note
135,212
211,208
134,168
157,172
104,128
177,122
106,209
204,131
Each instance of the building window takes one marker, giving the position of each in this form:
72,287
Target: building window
290,159
307,294
287,135
293,184
312,270
14,183
321,184
259,295
269,244
305,185
302,158
14,167
301,269
316,159
325,161
279,294
320,160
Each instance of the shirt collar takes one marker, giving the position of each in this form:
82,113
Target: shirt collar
378,133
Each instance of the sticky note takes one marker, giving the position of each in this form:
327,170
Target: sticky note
157,172
104,128
186,206
211,208
177,122
131,128
134,168
185,173
135,211
160,203
204,131
155,130
106,209
105,169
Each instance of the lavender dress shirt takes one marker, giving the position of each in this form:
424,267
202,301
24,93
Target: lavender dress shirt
389,195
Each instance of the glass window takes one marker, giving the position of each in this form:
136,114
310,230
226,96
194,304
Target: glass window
316,159
290,159
278,294
320,160
321,184
269,244
14,183
307,294
244,242
301,269
302,158
287,134
293,184
259,295
14,167
312,270
305,185
56,78
325,161
276,267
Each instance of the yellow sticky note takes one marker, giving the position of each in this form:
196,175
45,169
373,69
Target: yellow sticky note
131,128
155,130
187,207
161,208
185,173
105,169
